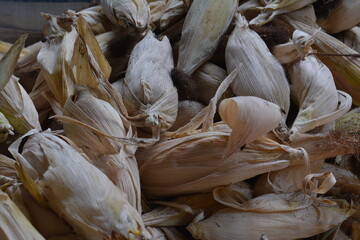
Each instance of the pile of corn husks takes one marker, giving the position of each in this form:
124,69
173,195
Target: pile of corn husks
180,119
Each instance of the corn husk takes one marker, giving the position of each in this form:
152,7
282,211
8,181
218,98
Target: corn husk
127,13
274,8
345,70
96,19
157,10
205,23
209,76
59,176
231,223
18,108
243,115
156,233
285,53
28,64
174,9
13,224
350,121
232,195
65,53
352,38
186,111
200,156
261,75
149,94
181,211
344,15
315,90
5,128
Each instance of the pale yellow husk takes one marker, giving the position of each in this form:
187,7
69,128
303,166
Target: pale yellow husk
174,9
344,15
244,117
127,13
148,92
181,211
350,121
5,128
18,108
59,176
274,8
13,224
205,23
96,19
208,78
157,10
229,223
261,74
187,109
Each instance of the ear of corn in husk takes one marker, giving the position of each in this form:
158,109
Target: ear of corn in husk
345,70
232,195
13,224
127,13
209,76
273,8
285,53
342,16
157,10
315,89
205,23
188,154
243,115
261,74
148,92
234,224
174,9
18,108
57,175
181,211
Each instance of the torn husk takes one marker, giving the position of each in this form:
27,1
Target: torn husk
261,74
205,23
243,115
59,176
148,92
174,10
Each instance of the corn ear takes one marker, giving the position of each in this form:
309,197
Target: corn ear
205,23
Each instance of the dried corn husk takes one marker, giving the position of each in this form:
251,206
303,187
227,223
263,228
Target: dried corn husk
314,88
57,175
5,128
186,111
345,70
13,224
199,155
18,108
352,38
205,24
157,10
285,53
148,92
243,115
181,211
9,60
261,75
344,15
231,223
234,194
156,233
273,8
174,9
350,121
96,19
208,78
72,58
127,13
